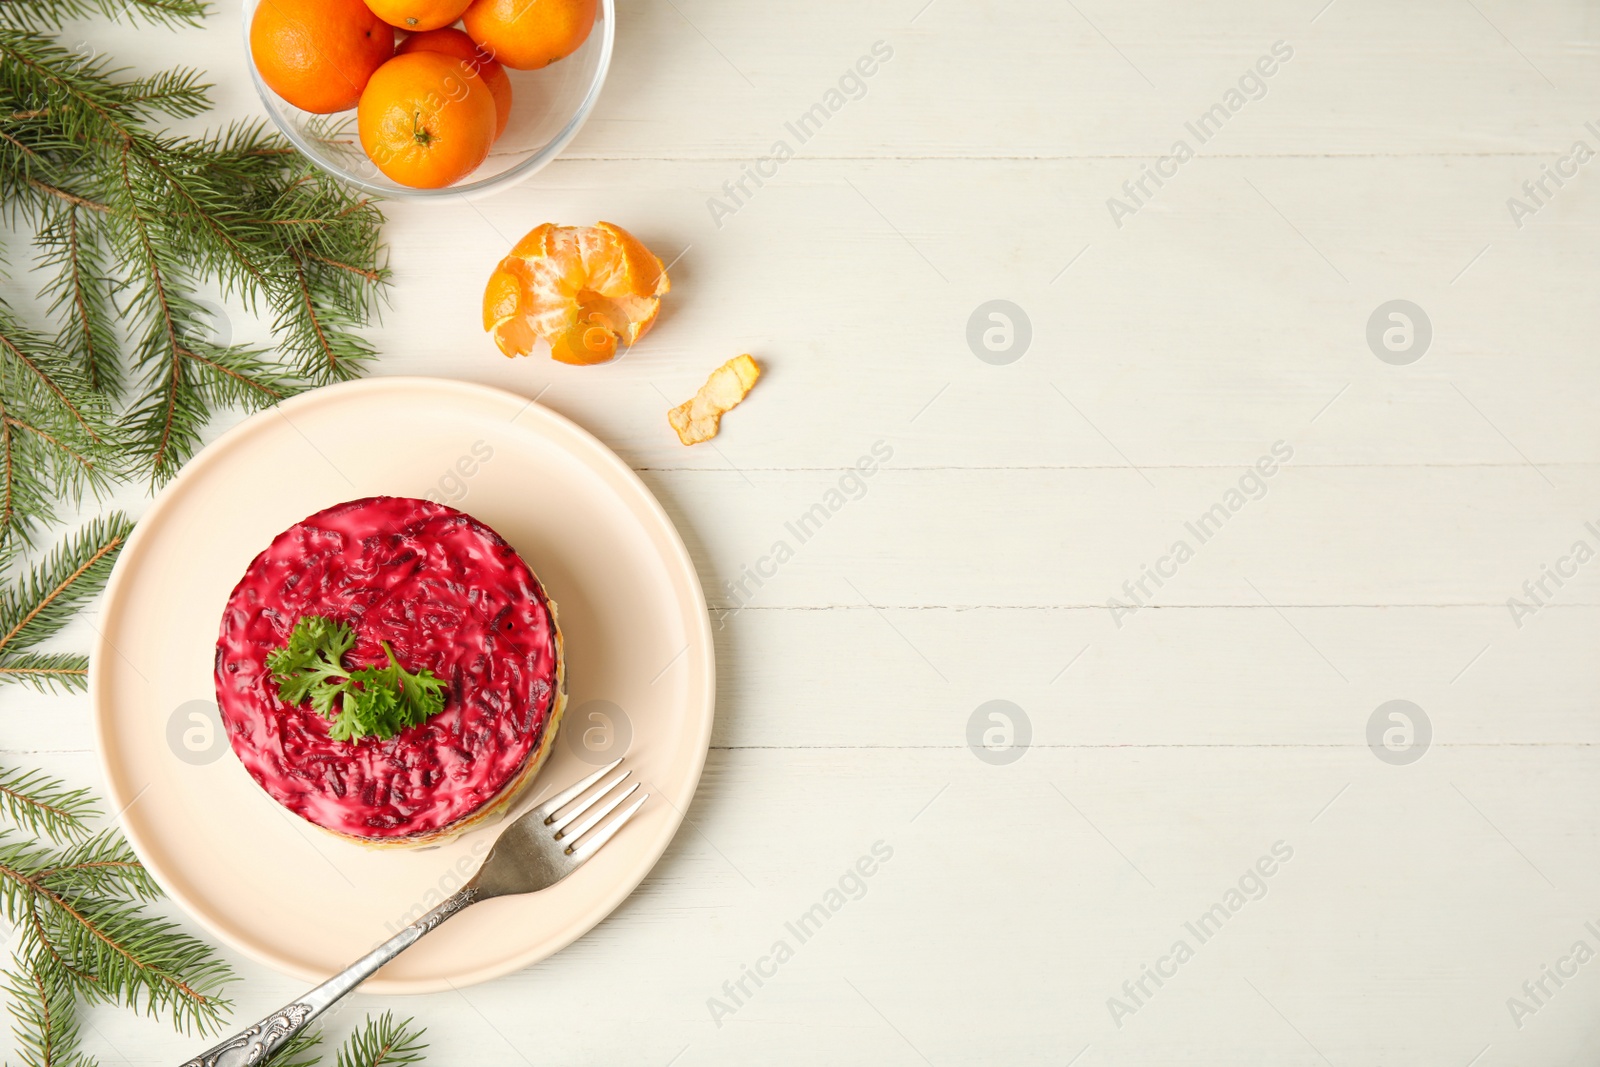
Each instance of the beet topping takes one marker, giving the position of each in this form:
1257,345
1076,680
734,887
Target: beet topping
448,594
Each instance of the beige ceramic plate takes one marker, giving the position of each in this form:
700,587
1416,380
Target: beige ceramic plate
639,665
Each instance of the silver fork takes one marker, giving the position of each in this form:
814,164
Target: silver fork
538,850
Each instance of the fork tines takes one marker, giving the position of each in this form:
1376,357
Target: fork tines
562,828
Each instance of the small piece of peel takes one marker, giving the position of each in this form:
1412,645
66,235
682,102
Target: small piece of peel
699,418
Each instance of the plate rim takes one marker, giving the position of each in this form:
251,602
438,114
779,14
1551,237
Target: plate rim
207,457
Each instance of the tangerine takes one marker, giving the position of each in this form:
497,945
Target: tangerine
318,54
424,121
583,289
529,34
418,15
453,42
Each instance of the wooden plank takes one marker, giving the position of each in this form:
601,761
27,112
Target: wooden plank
1054,538
717,79
1232,311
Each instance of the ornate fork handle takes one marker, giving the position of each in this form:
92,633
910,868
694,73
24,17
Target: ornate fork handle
255,1043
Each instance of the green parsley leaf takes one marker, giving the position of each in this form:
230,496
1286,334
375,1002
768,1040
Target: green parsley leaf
363,702
309,663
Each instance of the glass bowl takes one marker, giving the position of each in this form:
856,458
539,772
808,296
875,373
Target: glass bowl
548,108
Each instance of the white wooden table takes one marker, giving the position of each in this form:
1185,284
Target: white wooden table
1176,341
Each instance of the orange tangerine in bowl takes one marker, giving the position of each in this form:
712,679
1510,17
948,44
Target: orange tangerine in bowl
418,14
529,34
318,54
452,42
424,121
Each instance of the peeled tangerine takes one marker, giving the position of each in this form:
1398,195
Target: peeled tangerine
583,289
699,418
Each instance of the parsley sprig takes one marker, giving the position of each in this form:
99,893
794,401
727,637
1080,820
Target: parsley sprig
363,702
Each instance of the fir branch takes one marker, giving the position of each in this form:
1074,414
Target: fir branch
41,602
186,374
53,14
83,932
382,1042
55,439
71,100
37,371
43,805
178,93
46,671
104,944
103,865
71,239
131,220
46,1017
378,1042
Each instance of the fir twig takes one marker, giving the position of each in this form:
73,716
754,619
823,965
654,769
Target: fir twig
80,918
46,1017
378,1042
43,805
52,14
54,432
132,221
40,603
103,866
382,1042
83,932
72,240
46,671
